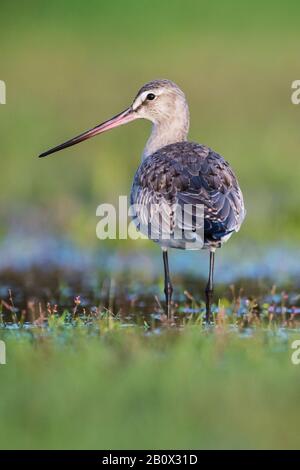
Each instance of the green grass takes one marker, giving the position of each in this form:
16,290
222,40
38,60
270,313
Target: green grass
111,387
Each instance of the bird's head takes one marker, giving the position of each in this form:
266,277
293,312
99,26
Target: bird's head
159,101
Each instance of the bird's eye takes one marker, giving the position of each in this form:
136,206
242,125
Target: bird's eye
150,96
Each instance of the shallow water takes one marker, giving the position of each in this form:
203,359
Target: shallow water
48,276
281,263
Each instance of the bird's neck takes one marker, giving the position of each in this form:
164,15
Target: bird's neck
168,131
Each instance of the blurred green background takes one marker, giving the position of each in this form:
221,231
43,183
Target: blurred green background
69,65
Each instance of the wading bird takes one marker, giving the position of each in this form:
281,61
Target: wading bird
175,172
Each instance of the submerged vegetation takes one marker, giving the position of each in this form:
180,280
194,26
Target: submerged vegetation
37,296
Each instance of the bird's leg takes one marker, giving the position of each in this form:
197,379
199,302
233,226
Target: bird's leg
210,285
168,285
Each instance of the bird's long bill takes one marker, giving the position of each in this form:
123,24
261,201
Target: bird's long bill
122,118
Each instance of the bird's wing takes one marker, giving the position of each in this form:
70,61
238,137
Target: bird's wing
190,175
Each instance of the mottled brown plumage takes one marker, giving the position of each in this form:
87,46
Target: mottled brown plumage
190,173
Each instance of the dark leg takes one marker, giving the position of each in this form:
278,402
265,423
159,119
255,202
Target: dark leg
168,285
210,286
